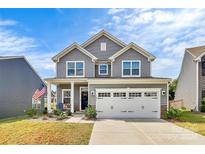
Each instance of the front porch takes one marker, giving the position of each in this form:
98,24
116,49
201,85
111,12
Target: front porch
72,94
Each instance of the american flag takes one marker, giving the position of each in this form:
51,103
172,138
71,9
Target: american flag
39,92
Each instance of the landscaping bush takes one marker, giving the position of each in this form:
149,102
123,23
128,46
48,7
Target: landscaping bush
173,113
62,116
203,105
45,111
31,112
69,112
57,112
90,113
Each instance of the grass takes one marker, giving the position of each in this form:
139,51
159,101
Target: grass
22,132
192,117
192,121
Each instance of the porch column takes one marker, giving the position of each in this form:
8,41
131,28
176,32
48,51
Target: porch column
49,97
72,97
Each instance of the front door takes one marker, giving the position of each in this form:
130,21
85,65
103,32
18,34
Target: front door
84,97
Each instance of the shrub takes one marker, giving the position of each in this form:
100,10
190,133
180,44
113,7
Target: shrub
57,112
203,105
31,112
202,108
69,112
61,116
90,112
45,111
173,113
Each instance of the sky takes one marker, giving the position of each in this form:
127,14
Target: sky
39,34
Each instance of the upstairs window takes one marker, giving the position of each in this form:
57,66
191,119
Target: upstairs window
131,68
203,68
103,46
103,69
75,68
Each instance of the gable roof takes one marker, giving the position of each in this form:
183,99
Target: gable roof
24,58
197,52
136,48
103,33
69,49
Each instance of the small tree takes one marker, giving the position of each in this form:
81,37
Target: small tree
172,89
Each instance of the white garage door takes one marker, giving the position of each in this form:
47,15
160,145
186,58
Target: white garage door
128,103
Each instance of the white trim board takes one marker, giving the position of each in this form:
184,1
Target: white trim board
103,33
71,48
136,48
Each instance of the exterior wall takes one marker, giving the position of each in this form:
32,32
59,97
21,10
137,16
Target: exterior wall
92,87
97,73
75,55
131,55
201,80
76,93
18,82
94,48
186,87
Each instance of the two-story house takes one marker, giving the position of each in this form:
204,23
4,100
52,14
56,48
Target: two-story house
18,83
191,81
113,77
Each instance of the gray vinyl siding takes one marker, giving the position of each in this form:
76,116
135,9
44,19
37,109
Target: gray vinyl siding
18,82
97,72
131,54
75,55
76,93
94,48
186,87
92,87
201,80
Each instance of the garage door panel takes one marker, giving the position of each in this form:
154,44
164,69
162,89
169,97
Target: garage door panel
126,103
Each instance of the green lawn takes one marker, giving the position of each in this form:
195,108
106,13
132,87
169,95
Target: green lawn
21,131
192,121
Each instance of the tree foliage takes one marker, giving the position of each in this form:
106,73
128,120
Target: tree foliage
172,89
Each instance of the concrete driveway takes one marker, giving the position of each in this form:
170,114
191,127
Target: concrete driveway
144,131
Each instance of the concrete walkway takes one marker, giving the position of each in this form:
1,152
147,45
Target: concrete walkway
79,120
155,131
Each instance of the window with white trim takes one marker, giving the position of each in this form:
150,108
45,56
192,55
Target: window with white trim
131,68
36,104
75,68
103,69
66,98
103,46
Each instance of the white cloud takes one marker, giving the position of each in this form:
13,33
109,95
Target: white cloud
16,44
7,22
114,11
163,32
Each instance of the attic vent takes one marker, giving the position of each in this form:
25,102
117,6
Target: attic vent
103,46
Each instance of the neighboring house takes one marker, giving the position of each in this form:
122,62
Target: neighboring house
18,82
113,77
191,81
